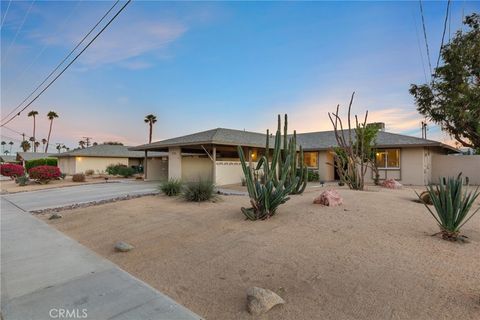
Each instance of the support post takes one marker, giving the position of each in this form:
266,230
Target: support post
145,161
214,164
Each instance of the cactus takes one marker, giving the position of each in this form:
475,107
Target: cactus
297,169
267,195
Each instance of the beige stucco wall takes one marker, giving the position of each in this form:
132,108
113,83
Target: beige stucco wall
66,165
197,168
452,165
326,171
228,172
96,163
174,163
157,169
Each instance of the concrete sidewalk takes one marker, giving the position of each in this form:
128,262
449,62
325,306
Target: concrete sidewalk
45,274
60,197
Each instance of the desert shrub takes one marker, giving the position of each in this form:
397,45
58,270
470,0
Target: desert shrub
126,172
22,181
113,169
89,172
451,205
40,162
172,187
199,191
78,177
12,170
313,175
44,174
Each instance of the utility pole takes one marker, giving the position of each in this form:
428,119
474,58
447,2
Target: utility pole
23,136
87,141
424,129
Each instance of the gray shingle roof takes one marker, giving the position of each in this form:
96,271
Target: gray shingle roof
109,151
27,156
322,140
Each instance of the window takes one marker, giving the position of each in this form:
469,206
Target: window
310,159
388,158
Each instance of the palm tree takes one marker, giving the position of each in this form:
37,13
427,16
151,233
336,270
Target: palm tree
44,141
3,145
50,115
150,119
59,146
36,144
25,145
33,113
81,143
11,144
6,152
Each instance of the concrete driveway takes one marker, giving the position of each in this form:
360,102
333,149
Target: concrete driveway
60,197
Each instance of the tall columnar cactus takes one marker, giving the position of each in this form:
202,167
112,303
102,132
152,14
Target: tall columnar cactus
297,168
267,195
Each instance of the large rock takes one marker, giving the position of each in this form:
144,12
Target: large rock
261,300
391,184
123,246
329,198
426,198
55,216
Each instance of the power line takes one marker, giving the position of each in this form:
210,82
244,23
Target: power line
420,48
64,23
443,35
5,16
18,30
17,132
64,59
425,36
71,62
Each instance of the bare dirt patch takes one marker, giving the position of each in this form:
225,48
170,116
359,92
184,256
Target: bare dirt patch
371,258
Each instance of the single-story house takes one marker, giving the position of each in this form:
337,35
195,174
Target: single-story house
212,155
98,157
27,156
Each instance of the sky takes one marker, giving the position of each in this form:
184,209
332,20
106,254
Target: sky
203,65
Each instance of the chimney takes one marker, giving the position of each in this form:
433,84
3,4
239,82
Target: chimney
379,125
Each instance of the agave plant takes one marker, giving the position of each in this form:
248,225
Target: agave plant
452,205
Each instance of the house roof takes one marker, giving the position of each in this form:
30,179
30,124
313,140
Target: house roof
109,151
322,140
6,158
27,156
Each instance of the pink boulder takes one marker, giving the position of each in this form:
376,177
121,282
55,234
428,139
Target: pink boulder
329,198
391,184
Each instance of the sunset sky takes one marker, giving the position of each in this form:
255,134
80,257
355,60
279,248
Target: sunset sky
202,65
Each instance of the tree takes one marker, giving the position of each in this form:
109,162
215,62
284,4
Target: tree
33,114
44,141
36,144
452,99
25,145
11,144
6,152
352,156
150,119
113,143
95,144
3,145
81,143
50,115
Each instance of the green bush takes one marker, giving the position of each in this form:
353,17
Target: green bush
113,169
199,191
451,205
313,175
126,172
172,187
22,181
40,162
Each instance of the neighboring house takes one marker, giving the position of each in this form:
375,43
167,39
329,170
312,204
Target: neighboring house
8,159
98,157
212,155
27,156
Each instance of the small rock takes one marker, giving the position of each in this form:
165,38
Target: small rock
261,300
123,246
329,198
55,216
